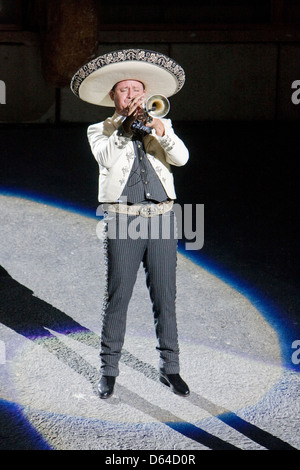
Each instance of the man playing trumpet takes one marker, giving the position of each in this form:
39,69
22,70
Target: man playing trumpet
135,157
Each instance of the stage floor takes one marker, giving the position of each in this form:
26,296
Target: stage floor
52,283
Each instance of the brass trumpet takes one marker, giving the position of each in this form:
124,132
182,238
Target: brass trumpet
157,106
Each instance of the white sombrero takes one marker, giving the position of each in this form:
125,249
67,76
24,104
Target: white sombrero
160,75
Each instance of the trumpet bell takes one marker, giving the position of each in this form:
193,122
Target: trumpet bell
157,106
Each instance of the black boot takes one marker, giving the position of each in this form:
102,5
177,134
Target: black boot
106,386
175,382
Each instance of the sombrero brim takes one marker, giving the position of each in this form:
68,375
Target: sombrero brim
159,73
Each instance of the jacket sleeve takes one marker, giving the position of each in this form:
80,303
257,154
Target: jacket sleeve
175,150
107,143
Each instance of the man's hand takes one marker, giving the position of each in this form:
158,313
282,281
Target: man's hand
134,111
158,126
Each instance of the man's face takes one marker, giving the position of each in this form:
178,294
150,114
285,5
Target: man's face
124,92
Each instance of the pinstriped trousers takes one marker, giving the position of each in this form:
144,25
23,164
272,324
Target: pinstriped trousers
128,242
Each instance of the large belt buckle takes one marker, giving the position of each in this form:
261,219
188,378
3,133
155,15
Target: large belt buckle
149,210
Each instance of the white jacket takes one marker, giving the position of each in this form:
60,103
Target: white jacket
114,153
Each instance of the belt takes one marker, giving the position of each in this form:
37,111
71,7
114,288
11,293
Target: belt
145,210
